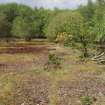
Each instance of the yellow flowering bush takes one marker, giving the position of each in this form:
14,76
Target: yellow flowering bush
61,37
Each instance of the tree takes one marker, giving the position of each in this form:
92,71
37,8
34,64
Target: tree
4,27
37,19
42,18
88,13
99,20
10,11
21,28
71,23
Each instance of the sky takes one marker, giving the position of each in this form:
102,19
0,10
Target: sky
49,3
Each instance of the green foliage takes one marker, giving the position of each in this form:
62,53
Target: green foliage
84,26
88,12
23,21
99,20
86,100
54,62
20,28
25,11
73,24
68,22
10,12
43,16
4,26
54,59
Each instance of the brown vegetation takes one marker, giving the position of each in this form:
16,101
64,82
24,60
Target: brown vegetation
24,81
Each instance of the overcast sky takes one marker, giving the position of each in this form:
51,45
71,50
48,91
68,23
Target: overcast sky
49,3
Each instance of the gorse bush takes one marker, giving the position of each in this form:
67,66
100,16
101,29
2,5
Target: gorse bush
62,37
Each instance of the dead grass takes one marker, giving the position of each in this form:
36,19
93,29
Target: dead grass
25,81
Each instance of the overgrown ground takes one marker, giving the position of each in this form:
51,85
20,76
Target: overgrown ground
24,81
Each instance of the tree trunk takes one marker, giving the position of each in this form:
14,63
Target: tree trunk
85,52
84,47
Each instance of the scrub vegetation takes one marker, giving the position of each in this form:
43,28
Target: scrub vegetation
52,57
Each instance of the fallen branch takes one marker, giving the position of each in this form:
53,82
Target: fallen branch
97,57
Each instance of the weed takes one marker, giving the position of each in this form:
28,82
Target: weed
87,100
54,62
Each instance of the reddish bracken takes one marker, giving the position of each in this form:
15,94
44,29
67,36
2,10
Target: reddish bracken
29,49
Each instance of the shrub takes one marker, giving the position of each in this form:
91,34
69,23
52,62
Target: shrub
54,59
86,100
54,62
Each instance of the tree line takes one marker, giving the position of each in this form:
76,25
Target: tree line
21,21
82,28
